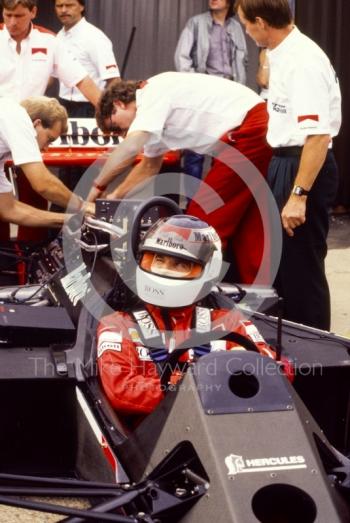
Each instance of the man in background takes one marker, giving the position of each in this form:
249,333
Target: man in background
94,51
30,55
212,43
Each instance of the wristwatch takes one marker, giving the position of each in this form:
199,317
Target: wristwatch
299,191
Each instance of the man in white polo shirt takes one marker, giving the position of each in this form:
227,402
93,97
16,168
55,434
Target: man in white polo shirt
304,115
94,51
25,130
30,55
199,112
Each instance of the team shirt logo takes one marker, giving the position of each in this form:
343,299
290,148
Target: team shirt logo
109,341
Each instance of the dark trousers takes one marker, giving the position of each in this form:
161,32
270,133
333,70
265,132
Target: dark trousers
192,166
301,279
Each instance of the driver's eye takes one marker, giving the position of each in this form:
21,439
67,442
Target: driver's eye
159,260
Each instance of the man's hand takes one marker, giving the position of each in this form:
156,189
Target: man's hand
89,208
94,193
294,213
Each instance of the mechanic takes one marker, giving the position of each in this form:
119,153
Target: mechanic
25,130
184,111
30,55
91,47
179,263
304,107
94,52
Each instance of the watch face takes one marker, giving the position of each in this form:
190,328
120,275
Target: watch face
299,191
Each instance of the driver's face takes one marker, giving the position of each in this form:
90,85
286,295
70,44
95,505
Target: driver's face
170,266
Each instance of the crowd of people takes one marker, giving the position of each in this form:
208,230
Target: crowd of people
202,108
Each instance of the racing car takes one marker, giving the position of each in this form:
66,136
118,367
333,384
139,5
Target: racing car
244,443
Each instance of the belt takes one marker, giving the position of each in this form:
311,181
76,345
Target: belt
293,150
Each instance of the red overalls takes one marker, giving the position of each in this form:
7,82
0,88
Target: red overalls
239,220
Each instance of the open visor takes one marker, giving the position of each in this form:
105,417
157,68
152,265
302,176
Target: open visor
170,266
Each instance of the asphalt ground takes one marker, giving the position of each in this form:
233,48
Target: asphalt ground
338,273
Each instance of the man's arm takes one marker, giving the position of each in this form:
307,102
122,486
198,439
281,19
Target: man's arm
311,161
263,73
145,169
13,211
89,89
50,187
182,58
122,156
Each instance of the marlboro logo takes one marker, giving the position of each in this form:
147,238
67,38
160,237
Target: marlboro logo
36,50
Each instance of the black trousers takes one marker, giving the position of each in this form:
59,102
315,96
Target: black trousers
301,279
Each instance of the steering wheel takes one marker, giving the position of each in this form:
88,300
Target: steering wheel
160,201
174,356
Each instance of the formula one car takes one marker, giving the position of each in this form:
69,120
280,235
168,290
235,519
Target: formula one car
235,440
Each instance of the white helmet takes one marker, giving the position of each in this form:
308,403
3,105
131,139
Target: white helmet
180,262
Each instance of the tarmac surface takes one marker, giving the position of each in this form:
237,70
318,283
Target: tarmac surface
338,273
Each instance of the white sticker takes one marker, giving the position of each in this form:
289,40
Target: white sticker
253,332
109,341
238,465
143,353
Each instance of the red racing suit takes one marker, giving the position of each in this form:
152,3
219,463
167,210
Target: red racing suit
130,377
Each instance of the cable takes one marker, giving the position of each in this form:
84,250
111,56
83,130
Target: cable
46,282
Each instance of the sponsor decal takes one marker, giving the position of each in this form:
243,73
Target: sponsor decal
313,117
146,324
143,353
108,345
76,284
278,108
109,341
111,336
36,50
218,345
238,465
153,291
83,132
112,66
179,231
169,243
203,320
134,335
204,237
252,332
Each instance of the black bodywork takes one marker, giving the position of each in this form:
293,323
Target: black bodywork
239,444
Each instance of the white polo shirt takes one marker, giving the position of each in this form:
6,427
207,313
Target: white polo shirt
304,94
189,110
94,52
42,55
17,139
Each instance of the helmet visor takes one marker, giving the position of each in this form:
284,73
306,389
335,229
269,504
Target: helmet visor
170,266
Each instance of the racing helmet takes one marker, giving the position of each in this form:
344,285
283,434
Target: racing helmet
180,260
